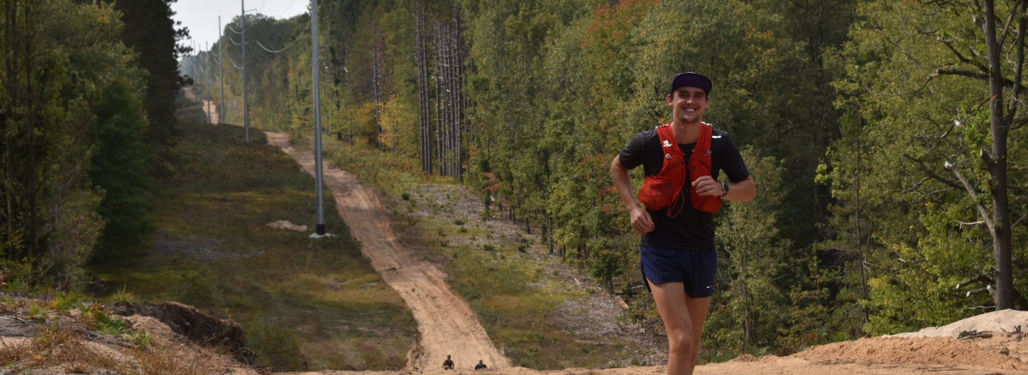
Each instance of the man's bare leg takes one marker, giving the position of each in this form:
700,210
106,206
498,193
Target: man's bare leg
683,318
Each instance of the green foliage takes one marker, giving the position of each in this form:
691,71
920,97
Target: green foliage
607,265
901,220
123,296
42,135
754,262
150,31
277,347
18,275
109,325
804,324
73,128
76,228
267,72
38,312
142,339
67,301
119,167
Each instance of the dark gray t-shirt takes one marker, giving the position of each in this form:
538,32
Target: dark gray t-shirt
691,229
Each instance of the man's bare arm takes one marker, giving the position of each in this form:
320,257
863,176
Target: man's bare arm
641,220
742,191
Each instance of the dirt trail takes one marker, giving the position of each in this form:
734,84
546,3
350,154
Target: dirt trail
208,106
446,324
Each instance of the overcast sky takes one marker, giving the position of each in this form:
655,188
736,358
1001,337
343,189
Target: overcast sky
201,16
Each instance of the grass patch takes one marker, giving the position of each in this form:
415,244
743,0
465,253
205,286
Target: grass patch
394,173
515,294
518,304
292,294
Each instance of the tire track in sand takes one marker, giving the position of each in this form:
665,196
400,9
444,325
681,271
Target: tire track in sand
446,324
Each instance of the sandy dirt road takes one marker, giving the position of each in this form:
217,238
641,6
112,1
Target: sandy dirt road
208,106
446,324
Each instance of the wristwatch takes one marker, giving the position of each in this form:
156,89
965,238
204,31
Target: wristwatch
724,190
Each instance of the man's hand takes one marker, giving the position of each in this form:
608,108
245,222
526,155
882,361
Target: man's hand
641,220
742,191
706,185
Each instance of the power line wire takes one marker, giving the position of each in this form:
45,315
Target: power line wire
233,40
287,45
276,51
240,67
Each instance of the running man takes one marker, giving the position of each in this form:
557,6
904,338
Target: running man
678,254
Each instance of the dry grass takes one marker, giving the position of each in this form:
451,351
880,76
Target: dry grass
59,346
86,340
13,352
178,359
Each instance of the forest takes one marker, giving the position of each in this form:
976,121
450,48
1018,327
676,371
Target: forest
885,136
87,104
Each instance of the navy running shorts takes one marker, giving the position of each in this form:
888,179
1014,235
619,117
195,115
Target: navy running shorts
694,268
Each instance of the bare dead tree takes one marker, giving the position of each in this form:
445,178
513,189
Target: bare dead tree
459,91
451,92
425,118
377,77
437,76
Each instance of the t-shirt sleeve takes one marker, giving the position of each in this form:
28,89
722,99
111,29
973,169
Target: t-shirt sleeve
632,155
731,161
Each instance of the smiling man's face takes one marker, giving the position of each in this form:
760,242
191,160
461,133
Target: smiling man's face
688,104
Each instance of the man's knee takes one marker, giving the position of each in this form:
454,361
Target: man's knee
680,342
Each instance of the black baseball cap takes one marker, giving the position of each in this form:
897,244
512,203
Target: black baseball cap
691,79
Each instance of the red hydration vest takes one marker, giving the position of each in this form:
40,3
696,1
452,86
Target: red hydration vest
663,189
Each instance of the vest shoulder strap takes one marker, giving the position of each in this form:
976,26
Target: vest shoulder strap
704,140
668,144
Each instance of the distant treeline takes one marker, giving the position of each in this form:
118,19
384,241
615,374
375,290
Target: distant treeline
886,137
87,101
